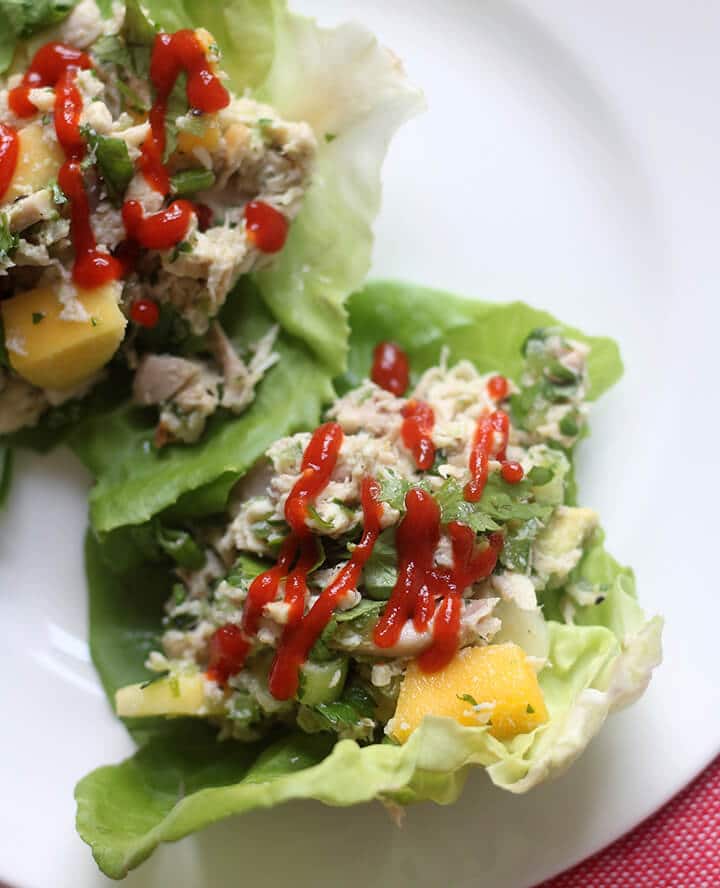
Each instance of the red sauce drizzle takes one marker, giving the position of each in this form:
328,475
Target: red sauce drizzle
172,55
390,368
299,638
498,388
416,432
266,227
483,448
512,472
317,466
417,538
228,649
158,231
48,66
9,149
420,582
145,313
56,65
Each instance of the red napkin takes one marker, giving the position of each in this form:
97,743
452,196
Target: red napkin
679,847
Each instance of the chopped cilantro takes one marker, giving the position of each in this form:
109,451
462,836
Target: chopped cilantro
467,698
330,137
313,513
38,316
58,195
110,50
94,321
380,573
8,240
182,247
138,33
131,99
113,160
501,502
529,709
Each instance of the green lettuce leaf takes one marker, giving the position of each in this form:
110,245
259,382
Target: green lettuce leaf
24,18
424,321
136,481
182,779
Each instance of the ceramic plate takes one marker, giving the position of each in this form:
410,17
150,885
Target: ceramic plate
568,158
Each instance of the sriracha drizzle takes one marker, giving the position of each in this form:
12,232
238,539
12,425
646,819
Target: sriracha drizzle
9,149
173,54
416,432
56,65
483,448
420,582
299,638
390,368
266,227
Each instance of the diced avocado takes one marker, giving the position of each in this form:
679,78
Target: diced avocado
322,682
39,160
170,695
552,493
558,547
55,353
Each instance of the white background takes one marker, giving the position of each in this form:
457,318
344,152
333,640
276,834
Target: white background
568,158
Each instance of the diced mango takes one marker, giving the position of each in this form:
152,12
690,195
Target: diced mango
39,160
499,675
209,139
56,353
173,695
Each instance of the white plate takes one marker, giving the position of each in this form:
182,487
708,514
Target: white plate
569,158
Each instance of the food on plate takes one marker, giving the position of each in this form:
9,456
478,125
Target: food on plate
136,189
406,589
147,166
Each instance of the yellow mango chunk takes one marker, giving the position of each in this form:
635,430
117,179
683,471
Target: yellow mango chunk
496,680
39,160
55,353
209,139
174,695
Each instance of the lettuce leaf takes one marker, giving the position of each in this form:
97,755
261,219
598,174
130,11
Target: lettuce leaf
182,779
424,321
24,18
136,481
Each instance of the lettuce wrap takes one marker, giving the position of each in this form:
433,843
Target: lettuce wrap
599,655
353,95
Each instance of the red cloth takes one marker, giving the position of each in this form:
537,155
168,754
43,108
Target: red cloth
679,847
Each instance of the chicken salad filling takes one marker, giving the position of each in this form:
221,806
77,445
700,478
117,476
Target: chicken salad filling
407,540
135,190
